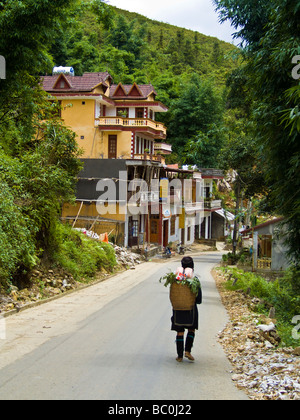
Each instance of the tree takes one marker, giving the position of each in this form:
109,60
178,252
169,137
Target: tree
240,151
16,242
123,36
204,150
197,108
248,17
37,176
271,33
38,155
27,29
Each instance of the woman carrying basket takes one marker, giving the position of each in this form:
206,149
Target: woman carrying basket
182,320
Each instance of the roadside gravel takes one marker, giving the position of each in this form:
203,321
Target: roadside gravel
263,370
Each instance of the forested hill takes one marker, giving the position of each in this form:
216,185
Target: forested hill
182,49
188,69
134,48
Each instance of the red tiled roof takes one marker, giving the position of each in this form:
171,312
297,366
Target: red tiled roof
145,90
85,83
89,81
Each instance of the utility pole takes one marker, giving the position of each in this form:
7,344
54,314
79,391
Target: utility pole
237,217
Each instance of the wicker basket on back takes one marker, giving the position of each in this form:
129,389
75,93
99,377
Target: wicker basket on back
181,297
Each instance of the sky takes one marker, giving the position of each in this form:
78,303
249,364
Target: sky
198,15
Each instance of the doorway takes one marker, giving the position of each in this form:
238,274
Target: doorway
154,229
112,147
166,233
133,232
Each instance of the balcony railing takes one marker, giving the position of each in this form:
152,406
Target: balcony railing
212,173
147,156
213,204
163,148
130,122
264,263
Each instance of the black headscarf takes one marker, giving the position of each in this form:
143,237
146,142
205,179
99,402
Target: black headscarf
187,262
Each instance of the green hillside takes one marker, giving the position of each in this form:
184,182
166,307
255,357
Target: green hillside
187,69
204,54
134,48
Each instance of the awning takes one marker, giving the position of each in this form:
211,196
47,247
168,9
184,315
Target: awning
225,214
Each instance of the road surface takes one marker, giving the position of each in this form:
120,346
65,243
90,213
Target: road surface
112,341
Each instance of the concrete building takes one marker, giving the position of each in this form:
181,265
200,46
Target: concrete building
269,249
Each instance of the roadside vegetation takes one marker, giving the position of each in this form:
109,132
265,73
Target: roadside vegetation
81,256
282,294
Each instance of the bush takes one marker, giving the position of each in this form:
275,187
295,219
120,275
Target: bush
81,256
283,294
240,257
290,291
17,249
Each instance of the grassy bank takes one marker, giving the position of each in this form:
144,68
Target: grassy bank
283,295
81,256
72,260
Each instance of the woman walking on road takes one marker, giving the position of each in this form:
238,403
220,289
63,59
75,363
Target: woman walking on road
186,320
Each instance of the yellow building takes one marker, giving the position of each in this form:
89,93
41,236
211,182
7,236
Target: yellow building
110,121
124,147
116,128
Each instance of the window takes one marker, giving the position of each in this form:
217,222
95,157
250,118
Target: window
134,228
154,227
189,234
137,148
122,112
139,113
206,192
173,225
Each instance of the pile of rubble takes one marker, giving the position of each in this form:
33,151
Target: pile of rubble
126,258
45,284
49,283
261,368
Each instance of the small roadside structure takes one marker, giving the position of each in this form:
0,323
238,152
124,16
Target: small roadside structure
269,249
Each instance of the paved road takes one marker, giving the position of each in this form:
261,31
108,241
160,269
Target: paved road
119,348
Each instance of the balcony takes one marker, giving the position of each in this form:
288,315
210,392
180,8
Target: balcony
150,157
195,207
163,148
213,204
158,130
212,173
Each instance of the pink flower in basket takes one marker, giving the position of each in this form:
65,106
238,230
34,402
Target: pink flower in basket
181,277
182,274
